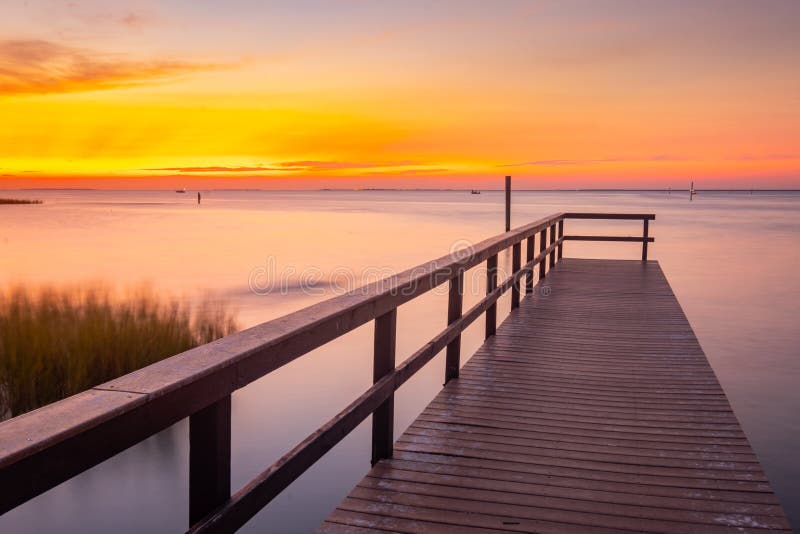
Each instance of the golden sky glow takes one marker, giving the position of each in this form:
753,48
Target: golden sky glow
399,94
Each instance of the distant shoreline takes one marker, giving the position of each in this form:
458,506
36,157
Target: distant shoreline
431,190
13,201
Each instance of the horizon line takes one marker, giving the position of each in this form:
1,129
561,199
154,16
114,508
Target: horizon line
432,189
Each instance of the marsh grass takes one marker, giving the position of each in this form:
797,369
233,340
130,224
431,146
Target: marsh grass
18,201
58,342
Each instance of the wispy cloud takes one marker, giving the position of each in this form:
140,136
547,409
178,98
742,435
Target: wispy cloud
650,159
44,67
218,169
304,166
764,157
425,171
322,166
562,162
135,20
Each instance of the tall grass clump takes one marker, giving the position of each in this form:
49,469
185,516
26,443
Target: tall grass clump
58,342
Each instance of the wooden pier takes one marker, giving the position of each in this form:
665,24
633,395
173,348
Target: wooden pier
591,408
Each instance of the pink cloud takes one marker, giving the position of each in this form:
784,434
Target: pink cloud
45,67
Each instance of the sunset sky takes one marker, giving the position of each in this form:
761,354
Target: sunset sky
308,94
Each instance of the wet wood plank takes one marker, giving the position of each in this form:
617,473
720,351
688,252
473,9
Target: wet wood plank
592,408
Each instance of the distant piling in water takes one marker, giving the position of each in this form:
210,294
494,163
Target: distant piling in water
508,203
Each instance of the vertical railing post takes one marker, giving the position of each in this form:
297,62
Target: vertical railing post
644,241
383,417
528,259
209,458
560,235
552,240
542,246
491,285
454,308
508,203
516,264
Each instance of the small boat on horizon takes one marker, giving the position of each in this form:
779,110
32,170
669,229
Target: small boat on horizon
180,190
475,192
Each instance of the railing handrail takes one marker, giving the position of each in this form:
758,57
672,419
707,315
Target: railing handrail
42,448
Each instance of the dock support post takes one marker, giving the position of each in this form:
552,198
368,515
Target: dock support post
560,235
454,308
508,203
552,240
644,241
491,285
542,246
383,417
209,458
516,264
528,259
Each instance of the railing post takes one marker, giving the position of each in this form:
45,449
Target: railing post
644,241
508,203
516,264
383,417
528,259
552,240
209,458
542,246
560,235
491,285
454,307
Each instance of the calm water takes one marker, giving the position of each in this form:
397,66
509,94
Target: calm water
731,258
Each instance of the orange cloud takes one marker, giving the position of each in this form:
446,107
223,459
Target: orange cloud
45,67
426,171
320,166
562,162
305,166
219,169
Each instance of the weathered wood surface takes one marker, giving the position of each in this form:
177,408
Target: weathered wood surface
592,409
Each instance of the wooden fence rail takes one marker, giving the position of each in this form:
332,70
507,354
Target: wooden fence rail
43,448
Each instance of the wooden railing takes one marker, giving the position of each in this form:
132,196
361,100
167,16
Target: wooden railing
43,448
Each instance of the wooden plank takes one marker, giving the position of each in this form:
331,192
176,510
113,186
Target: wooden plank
592,407
593,508
459,473
407,506
374,517
739,491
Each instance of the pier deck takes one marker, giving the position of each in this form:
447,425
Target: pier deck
592,408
